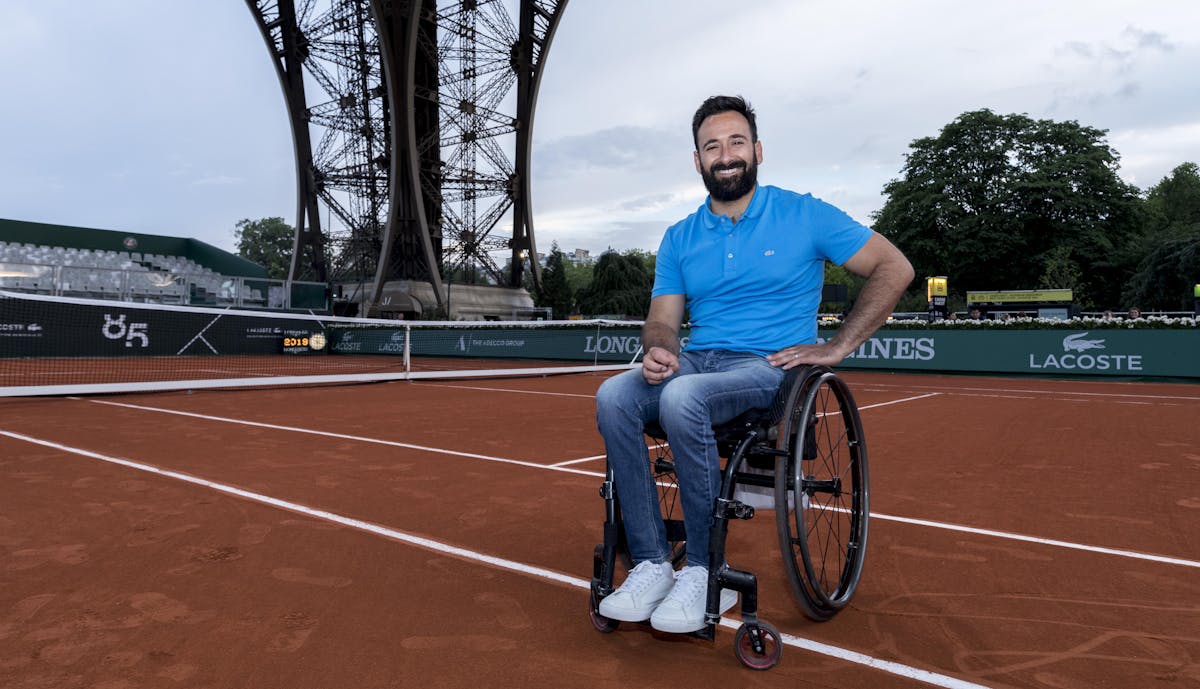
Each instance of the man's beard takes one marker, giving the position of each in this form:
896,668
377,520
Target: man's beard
725,189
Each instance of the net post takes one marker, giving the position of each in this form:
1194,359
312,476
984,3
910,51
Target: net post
407,350
596,349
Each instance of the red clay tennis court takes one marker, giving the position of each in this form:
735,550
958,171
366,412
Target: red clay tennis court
1024,533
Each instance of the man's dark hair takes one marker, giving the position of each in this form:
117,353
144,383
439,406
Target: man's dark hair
719,104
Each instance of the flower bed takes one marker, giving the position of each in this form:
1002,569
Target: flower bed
1083,323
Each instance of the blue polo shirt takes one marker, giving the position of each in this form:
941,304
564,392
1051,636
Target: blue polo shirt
755,286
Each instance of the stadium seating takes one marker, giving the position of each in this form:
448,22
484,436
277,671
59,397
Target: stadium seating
69,271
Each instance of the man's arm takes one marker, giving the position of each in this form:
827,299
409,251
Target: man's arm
888,274
660,337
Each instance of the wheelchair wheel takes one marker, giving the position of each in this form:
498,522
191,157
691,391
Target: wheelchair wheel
821,493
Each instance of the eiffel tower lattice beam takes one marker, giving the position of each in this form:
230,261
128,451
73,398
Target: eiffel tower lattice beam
409,137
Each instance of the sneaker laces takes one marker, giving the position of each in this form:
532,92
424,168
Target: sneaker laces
690,584
641,577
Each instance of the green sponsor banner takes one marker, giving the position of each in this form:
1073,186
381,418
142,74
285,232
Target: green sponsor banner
41,328
1105,352
609,345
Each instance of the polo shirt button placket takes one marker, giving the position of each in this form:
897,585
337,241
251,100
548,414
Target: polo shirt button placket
730,246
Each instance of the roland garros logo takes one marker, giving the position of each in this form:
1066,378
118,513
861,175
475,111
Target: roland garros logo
1076,357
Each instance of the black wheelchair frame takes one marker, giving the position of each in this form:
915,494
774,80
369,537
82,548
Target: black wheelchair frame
809,447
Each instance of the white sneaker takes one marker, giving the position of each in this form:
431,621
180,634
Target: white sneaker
645,587
682,610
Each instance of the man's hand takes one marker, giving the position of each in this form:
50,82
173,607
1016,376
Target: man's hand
658,364
660,338
799,355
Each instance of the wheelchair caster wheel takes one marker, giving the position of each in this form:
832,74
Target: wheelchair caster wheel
758,647
600,622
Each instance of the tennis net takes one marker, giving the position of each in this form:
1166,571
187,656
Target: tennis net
70,346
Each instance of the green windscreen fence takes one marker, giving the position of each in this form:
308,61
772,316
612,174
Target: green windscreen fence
1168,353
60,345
56,345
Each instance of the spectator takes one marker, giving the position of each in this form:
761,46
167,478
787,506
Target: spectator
1134,313
975,314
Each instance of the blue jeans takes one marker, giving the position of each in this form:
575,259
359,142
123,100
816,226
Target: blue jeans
710,387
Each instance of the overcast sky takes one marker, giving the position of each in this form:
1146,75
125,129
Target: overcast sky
167,118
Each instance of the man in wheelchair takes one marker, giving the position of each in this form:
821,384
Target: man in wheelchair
748,268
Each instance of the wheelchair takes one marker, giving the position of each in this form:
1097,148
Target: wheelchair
808,446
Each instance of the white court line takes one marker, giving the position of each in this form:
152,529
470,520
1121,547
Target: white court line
877,387
906,399
888,666
581,460
522,392
593,458
1059,399
343,436
954,390
548,467
1042,541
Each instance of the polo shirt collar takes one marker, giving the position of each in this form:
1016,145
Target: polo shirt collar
757,203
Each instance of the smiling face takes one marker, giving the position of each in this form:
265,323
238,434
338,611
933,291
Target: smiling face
727,157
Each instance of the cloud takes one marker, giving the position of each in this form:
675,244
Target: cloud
1120,54
650,202
1152,40
1153,152
618,235
625,147
203,134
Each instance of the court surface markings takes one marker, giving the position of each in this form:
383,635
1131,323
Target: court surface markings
869,406
814,646
581,472
950,390
514,390
998,393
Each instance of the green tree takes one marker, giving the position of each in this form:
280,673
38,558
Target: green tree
648,258
1059,270
1008,202
837,275
579,276
620,286
556,293
1168,256
1173,205
1166,276
267,242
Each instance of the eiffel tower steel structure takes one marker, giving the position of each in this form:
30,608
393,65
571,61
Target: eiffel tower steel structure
421,146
